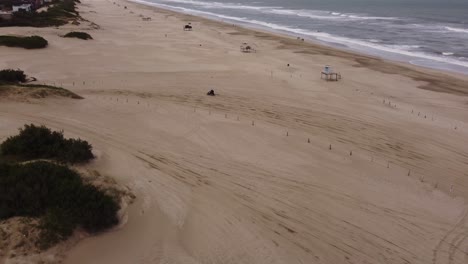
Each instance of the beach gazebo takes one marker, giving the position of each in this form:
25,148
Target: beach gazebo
188,27
329,74
247,48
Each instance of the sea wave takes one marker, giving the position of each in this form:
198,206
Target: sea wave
304,13
406,50
404,47
363,17
314,14
219,5
459,30
436,28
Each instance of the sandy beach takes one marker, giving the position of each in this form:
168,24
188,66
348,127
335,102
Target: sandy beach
279,167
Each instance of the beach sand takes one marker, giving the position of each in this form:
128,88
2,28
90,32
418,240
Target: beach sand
248,176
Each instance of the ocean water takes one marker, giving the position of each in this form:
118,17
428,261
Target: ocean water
430,33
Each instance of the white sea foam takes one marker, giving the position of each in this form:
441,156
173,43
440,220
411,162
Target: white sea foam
362,17
326,15
459,30
404,47
220,5
314,14
447,53
303,13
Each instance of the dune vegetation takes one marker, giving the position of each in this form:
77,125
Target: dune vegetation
80,35
39,142
49,191
12,76
28,42
13,82
60,12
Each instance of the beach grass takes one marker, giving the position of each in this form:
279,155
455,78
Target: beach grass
13,82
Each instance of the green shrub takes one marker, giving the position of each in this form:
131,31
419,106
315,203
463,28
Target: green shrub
32,42
58,196
80,35
12,76
39,142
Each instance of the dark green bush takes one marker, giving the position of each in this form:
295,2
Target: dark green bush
80,35
32,42
58,196
39,142
12,76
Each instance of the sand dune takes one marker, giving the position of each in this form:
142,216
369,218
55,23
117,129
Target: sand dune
232,178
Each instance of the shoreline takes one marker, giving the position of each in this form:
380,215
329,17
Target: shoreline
378,53
454,82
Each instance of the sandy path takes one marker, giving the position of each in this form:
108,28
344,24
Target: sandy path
213,188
